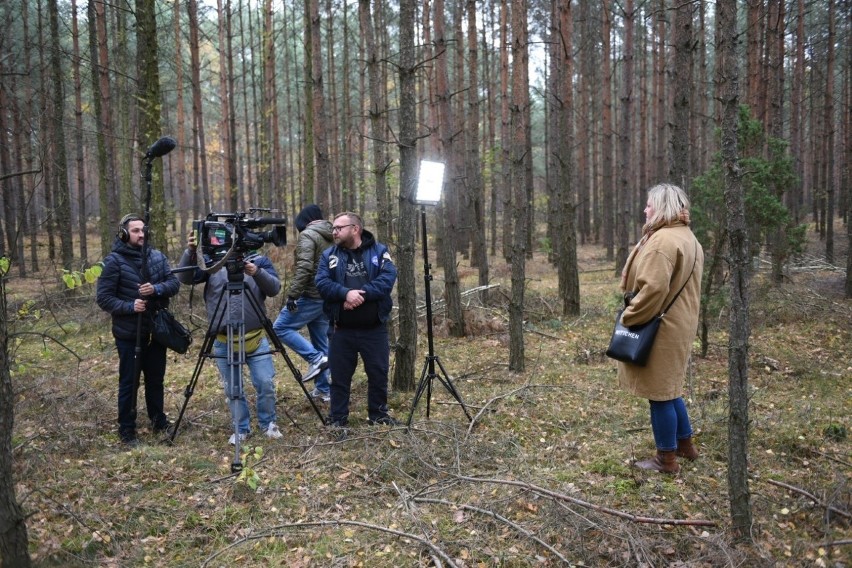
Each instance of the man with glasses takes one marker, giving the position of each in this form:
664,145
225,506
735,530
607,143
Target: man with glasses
355,278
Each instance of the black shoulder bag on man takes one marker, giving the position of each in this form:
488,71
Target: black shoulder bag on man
633,344
167,330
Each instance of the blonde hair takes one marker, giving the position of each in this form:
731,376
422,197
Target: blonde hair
669,202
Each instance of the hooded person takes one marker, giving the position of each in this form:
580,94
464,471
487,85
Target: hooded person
304,307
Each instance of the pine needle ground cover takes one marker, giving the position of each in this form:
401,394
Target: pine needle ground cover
540,477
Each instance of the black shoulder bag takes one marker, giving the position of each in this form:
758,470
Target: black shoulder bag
633,344
167,330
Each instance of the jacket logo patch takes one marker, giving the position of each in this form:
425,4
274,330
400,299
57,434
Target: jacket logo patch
375,260
332,261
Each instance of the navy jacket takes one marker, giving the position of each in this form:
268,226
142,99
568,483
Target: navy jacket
381,274
118,287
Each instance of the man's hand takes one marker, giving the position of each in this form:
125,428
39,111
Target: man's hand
354,298
190,241
291,305
146,289
139,306
250,268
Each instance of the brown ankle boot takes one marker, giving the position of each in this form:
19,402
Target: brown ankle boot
686,449
664,462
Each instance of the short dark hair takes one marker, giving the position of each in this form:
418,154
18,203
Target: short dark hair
354,217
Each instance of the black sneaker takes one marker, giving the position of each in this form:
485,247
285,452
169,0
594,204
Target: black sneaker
164,427
339,429
386,420
129,439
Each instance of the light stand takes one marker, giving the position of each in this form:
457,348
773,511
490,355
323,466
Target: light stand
428,192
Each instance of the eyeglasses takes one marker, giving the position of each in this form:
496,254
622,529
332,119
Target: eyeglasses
338,228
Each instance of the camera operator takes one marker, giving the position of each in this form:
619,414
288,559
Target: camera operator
304,304
261,281
126,295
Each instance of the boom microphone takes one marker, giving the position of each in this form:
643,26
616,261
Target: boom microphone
161,147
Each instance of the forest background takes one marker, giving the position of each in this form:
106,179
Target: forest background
279,104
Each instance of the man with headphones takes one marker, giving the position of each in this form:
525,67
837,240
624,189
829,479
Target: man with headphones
130,290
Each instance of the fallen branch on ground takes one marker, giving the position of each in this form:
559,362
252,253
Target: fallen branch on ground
274,531
580,502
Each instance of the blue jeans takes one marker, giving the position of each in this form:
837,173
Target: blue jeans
373,347
152,364
310,315
262,373
670,423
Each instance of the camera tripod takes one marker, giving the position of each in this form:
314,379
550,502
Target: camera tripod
236,354
429,374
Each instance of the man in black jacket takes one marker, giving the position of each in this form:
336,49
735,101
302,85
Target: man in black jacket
130,292
355,278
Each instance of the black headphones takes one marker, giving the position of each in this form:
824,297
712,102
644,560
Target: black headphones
122,234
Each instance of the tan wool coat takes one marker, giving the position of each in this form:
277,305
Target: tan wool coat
656,273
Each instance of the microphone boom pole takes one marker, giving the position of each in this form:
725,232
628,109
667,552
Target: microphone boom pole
159,148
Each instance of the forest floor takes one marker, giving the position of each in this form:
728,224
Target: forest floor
541,476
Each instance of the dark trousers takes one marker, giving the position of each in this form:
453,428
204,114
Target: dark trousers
345,345
152,363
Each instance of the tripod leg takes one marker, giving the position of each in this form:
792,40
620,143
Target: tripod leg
421,386
448,384
190,388
276,341
234,381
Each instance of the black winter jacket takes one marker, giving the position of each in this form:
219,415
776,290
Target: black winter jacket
381,276
118,287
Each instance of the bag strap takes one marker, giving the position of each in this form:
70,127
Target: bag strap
665,311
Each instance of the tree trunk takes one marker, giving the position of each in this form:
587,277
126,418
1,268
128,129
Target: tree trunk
739,330
78,136
829,138
14,547
181,192
520,154
106,198
377,117
775,124
149,103
681,80
201,192
797,146
29,226
452,181
322,172
63,192
624,203
505,133
406,345
474,165
225,136
607,186
9,183
567,270
332,116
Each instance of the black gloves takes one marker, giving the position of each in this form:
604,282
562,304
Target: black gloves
291,305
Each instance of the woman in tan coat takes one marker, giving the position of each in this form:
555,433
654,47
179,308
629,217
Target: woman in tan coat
666,259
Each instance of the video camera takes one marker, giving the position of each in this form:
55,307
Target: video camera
221,234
